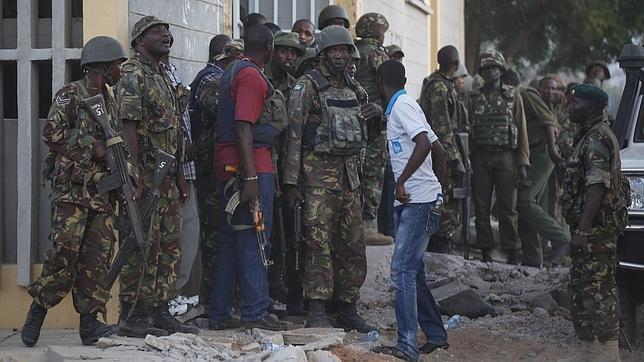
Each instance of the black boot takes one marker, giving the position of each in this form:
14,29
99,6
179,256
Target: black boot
91,329
349,319
161,318
512,257
317,315
486,255
31,329
295,305
137,326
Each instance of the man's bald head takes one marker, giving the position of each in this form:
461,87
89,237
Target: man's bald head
217,44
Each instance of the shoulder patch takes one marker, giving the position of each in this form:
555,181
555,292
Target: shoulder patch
62,100
298,86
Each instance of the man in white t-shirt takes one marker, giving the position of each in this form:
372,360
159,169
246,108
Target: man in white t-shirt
418,189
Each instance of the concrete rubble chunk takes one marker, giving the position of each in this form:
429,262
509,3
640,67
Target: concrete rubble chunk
307,335
322,356
467,303
540,312
448,290
324,343
193,313
108,342
288,354
77,353
265,336
543,300
183,346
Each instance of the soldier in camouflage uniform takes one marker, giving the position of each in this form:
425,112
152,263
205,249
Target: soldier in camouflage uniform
149,107
438,101
499,151
82,219
371,28
595,200
333,15
535,225
203,117
324,164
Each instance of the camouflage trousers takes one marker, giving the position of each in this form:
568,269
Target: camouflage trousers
164,255
595,303
208,205
335,265
79,259
373,175
451,217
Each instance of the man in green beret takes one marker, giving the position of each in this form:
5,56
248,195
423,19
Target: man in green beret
594,203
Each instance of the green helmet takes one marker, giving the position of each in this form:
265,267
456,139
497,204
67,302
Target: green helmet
393,49
102,49
144,24
290,40
334,35
371,25
492,58
302,62
333,12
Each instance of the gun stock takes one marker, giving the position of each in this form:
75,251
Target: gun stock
462,142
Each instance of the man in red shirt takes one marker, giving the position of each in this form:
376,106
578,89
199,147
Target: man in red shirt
244,143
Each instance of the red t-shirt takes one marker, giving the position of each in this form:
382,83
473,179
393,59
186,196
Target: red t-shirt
248,90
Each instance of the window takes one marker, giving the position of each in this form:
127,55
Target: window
281,12
8,24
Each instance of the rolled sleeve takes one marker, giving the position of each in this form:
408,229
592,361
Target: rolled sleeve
130,95
597,161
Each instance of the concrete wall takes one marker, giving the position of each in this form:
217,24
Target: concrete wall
451,24
408,27
192,23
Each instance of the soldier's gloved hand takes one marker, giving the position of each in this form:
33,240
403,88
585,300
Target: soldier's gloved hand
523,173
292,195
98,150
371,111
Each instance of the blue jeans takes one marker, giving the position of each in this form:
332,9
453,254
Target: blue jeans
239,261
413,300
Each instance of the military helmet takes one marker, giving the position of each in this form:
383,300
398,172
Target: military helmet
371,25
600,63
144,24
234,49
102,49
334,35
290,40
393,49
333,12
492,58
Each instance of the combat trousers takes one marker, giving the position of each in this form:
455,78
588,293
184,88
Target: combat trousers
373,174
164,255
534,221
209,218
83,240
336,264
451,217
495,171
595,302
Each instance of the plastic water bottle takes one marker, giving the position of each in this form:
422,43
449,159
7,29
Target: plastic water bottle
273,347
372,336
452,322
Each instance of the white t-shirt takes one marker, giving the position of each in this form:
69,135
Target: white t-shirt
405,120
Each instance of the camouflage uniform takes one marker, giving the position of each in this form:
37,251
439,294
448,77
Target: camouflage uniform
335,265
147,97
595,160
438,101
82,220
499,146
372,55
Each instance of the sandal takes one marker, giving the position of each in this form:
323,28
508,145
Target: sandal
392,351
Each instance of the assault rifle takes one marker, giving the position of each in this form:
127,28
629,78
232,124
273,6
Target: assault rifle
464,193
119,178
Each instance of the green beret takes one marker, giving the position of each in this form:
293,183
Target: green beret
289,39
590,92
144,24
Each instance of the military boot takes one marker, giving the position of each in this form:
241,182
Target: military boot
137,326
161,318
349,319
512,257
317,315
31,329
373,237
91,329
486,255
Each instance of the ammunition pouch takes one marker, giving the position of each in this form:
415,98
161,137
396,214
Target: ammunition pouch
495,130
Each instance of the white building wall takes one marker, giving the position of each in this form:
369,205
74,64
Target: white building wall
192,23
451,25
408,27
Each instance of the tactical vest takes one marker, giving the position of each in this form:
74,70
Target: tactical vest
451,95
194,110
613,210
339,130
267,132
493,123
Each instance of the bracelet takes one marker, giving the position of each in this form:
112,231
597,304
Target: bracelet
581,233
251,178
